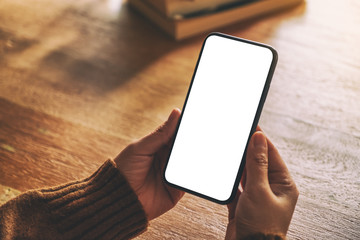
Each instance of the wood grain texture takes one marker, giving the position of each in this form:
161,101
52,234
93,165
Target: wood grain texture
80,80
38,150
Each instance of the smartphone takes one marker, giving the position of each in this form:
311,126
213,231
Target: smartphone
221,111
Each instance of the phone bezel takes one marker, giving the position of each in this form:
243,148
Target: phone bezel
254,125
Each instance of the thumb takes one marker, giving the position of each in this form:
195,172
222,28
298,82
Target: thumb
257,162
151,143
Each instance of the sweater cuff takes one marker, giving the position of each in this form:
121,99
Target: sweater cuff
103,206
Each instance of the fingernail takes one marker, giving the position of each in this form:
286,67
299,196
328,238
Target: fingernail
259,140
172,114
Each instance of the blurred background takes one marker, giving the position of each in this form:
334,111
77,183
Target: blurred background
79,80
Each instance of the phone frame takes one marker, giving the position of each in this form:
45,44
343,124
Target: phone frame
254,125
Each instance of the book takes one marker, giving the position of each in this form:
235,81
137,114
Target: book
186,27
178,8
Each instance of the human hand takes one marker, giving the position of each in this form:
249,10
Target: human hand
269,195
143,162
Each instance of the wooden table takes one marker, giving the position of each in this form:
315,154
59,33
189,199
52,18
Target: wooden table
79,80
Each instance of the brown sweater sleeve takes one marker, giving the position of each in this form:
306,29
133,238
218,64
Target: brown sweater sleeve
102,206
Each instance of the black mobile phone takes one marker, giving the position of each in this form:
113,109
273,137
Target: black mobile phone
221,111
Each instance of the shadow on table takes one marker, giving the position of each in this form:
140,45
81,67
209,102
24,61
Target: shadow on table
105,53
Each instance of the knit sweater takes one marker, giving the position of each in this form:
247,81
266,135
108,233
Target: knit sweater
102,206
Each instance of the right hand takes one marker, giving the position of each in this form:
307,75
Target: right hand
268,200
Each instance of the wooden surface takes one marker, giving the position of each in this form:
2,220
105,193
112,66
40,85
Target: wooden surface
79,80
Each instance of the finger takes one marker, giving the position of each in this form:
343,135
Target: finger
280,175
232,206
257,162
243,180
276,163
163,157
258,128
151,143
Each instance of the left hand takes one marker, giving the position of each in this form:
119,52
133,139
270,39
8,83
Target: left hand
143,162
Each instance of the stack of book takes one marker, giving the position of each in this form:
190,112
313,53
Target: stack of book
185,18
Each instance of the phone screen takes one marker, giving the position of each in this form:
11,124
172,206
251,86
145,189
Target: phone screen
221,111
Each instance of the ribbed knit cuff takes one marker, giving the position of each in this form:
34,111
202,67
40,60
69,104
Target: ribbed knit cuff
102,206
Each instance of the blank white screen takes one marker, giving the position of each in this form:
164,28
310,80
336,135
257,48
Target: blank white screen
218,116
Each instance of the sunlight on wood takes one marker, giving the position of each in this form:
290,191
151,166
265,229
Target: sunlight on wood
7,193
81,79
114,5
